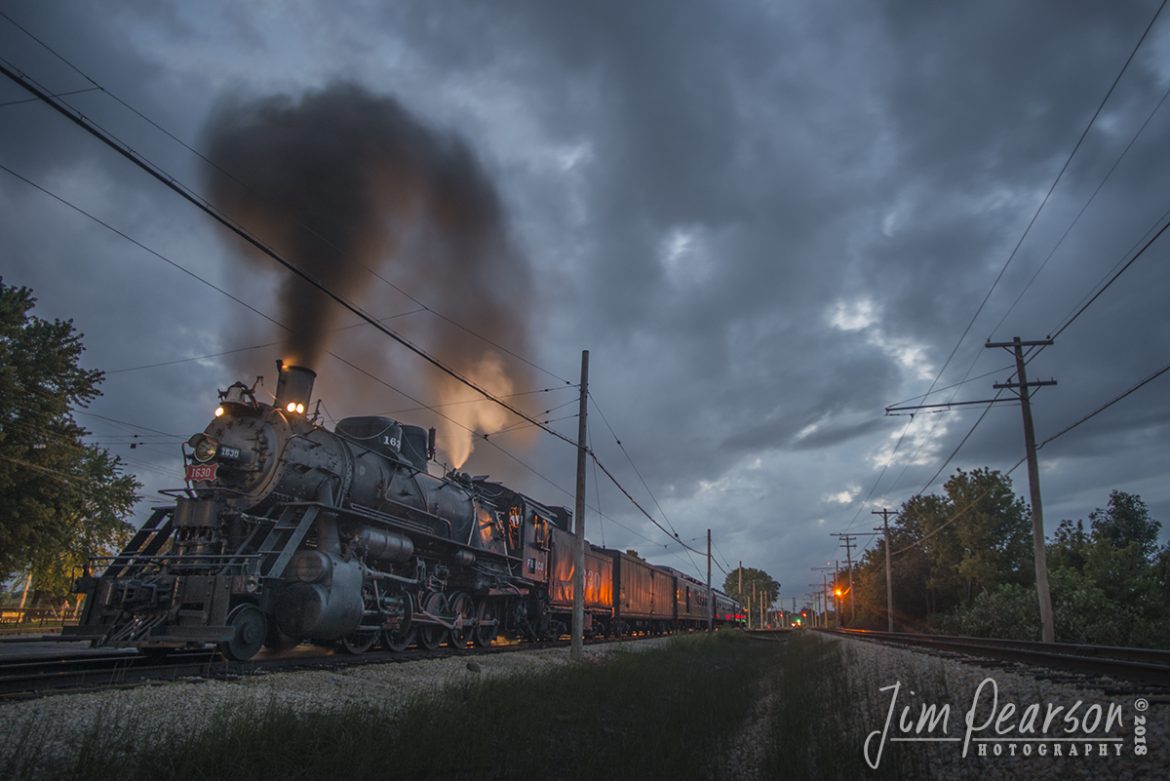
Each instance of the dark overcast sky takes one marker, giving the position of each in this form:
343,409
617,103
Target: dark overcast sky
766,221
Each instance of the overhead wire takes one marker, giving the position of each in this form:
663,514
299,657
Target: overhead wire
234,350
212,211
634,466
596,482
1105,406
186,193
1069,321
182,268
1019,243
966,508
1084,207
67,93
230,175
92,127
273,320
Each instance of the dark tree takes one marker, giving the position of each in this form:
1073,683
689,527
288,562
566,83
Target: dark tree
61,500
1126,520
761,581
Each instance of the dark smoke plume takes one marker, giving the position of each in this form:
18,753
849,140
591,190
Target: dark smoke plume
341,182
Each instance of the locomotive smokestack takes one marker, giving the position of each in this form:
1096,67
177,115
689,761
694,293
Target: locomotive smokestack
294,387
362,194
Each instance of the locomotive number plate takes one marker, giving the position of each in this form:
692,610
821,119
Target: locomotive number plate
199,472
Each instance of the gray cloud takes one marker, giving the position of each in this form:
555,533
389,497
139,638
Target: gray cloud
698,188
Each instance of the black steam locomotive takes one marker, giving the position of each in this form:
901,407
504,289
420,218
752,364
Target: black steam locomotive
288,532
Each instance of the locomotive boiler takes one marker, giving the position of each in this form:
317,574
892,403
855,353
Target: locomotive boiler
289,532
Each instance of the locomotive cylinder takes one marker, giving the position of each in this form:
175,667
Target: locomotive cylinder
327,609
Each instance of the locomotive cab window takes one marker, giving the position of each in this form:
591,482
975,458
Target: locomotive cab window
539,530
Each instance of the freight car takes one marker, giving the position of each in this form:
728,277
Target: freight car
288,532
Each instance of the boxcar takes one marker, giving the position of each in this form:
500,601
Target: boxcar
599,583
643,595
690,601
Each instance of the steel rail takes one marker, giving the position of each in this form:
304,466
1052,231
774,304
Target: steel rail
31,677
1143,664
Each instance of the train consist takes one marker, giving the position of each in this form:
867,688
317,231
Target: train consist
288,532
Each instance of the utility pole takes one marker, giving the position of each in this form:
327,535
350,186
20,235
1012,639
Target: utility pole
1016,346
817,598
885,514
824,600
710,594
576,650
755,603
847,540
836,590
824,592
741,578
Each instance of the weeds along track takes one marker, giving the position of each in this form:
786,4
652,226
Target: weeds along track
664,708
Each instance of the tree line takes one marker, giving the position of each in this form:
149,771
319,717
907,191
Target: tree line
62,500
962,563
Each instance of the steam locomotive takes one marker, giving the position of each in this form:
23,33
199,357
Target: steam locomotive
287,532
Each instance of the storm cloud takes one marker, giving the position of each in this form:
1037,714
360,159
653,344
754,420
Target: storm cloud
766,222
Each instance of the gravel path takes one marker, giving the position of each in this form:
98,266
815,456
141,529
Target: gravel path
151,709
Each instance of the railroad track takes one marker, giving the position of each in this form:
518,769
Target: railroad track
31,677
1148,665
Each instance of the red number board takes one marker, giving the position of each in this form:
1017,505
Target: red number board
201,472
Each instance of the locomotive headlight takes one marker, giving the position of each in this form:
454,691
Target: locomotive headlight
291,406
219,411
204,446
300,409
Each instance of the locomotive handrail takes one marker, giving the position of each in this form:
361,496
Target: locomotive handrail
189,493
176,559
412,510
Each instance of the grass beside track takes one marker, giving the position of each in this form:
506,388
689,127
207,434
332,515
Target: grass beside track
702,707
653,714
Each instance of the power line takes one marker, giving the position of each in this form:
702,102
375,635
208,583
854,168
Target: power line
231,176
970,505
1084,208
206,207
202,204
1031,223
135,242
234,350
423,405
953,385
1105,406
55,94
634,501
1055,436
596,482
1112,279
962,442
630,460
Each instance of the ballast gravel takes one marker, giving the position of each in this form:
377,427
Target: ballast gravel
60,720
